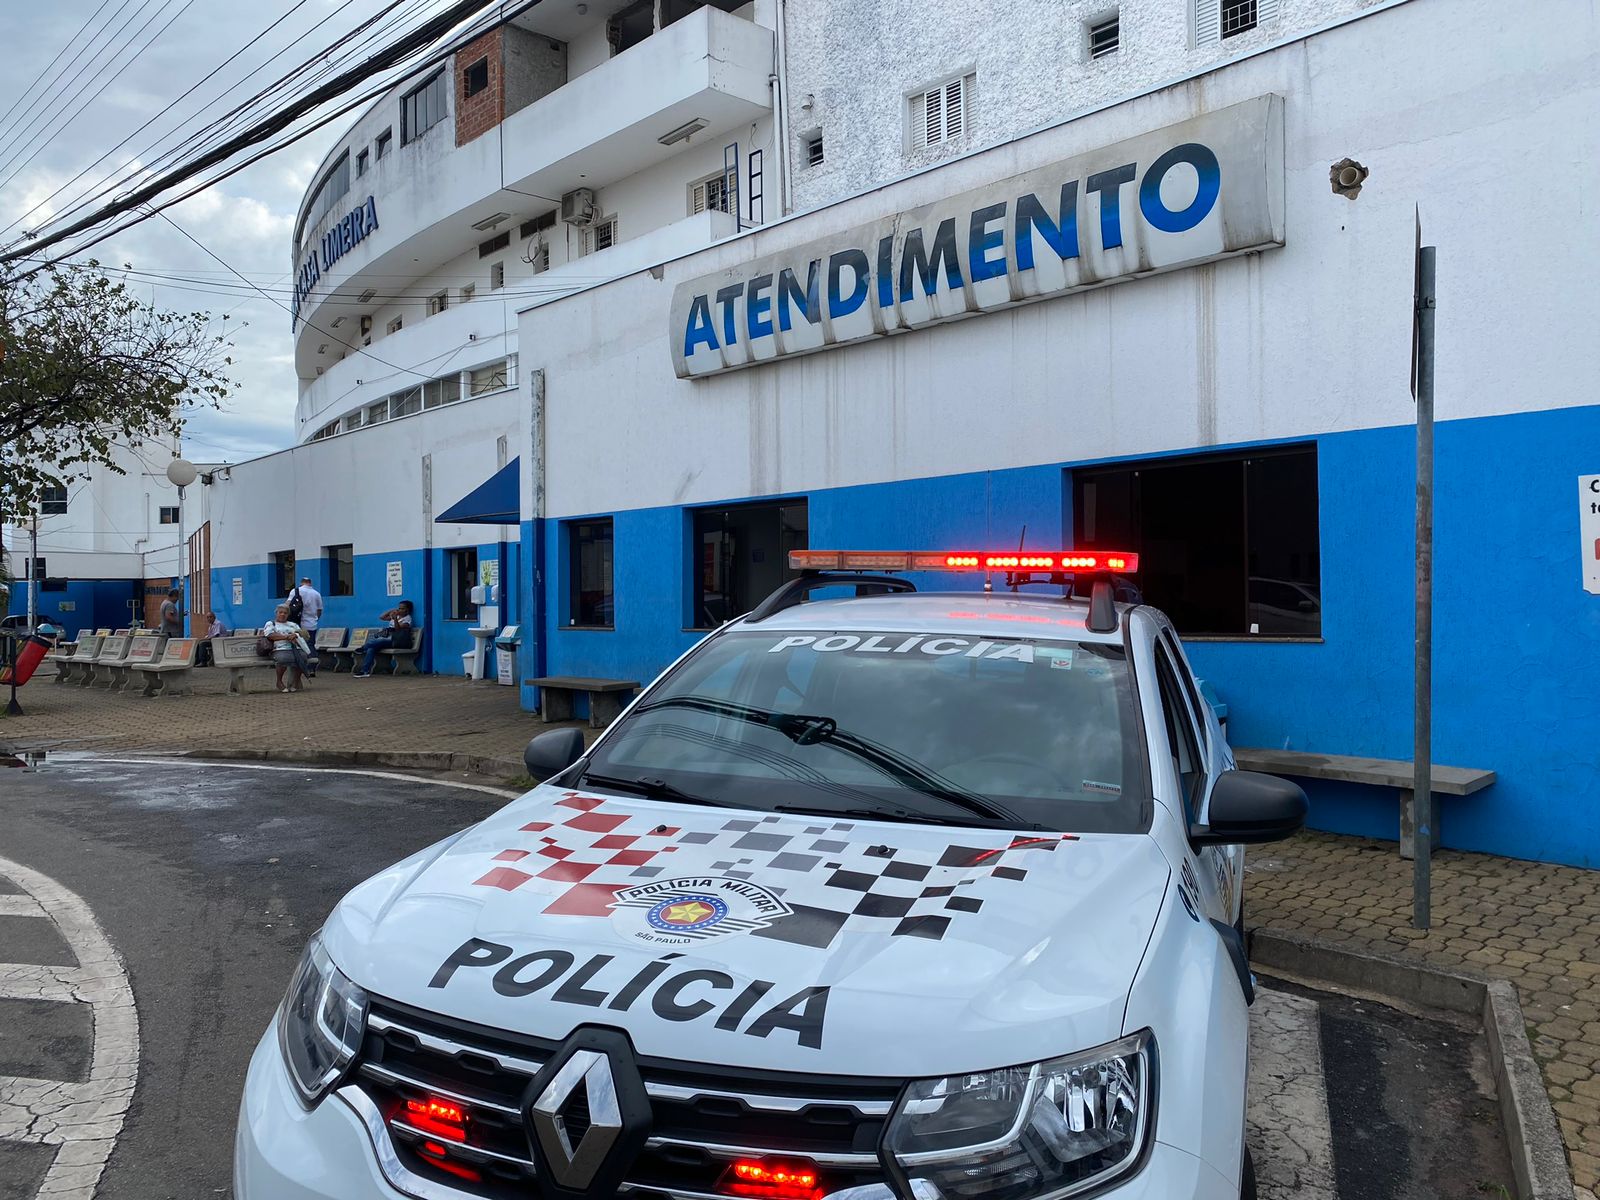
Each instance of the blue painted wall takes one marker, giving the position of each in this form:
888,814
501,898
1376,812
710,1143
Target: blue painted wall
1517,640
95,603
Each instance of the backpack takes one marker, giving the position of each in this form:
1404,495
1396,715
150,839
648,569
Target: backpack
297,606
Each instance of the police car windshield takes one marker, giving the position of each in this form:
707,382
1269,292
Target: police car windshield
951,729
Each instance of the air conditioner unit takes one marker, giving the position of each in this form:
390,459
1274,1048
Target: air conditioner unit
577,207
366,325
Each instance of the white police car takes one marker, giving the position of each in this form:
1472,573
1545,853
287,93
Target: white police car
899,895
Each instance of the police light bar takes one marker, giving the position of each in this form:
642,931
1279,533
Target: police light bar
1121,561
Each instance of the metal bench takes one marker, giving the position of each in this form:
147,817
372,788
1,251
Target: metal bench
1379,772
238,655
345,657
86,651
173,674
143,650
113,650
406,658
607,698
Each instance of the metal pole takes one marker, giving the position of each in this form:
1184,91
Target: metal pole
1422,753
33,573
183,579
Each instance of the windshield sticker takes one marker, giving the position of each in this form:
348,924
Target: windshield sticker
683,995
1060,658
1094,785
894,643
679,912
800,880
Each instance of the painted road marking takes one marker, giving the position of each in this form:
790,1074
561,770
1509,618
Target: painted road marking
19,906
81,1120
1287,1126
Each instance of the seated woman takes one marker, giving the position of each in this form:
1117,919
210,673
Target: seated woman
396,637
289,648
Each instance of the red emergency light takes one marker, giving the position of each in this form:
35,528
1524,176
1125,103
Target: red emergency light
1121,562
439,1118
771,1178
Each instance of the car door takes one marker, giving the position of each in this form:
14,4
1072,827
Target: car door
1194,744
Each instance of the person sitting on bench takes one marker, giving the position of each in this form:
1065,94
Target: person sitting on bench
289,649
396,637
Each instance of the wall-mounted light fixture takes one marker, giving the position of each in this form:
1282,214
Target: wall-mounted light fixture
683,132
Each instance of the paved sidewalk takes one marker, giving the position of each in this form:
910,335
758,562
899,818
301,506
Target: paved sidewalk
338,713
1531,923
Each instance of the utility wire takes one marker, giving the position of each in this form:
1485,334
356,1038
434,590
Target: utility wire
41,95
75,39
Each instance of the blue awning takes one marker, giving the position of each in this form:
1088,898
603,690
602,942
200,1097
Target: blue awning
496,501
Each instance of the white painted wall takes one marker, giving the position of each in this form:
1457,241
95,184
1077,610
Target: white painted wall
859,62
1312,337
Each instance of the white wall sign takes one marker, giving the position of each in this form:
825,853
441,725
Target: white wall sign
489,572
238,591
396,579
1193,192
1589,530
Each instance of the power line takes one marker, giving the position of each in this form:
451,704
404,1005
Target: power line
41,95
75,39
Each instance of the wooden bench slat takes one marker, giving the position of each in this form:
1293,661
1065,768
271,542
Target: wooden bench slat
573,683
1381,772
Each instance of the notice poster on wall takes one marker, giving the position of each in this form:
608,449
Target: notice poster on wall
1589,530
238,591
489,572
396,579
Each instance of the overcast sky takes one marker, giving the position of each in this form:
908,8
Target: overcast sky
246,220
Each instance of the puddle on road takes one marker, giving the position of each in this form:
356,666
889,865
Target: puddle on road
28,760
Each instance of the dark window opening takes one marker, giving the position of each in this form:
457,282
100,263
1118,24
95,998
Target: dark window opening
538,224
422,108
381,144
282,572
1228,544
676,10
463,574
1238,16
1105,36
742,556
52,501
631,26
361,163
341,570
475,78
494,245
591,596
813,150
169,514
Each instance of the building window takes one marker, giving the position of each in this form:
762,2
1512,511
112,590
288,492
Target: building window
438,302
341,570
492,378
351,421
468,291
497,276
811,150
742,555
1217,19
591,601
463,578
537,256
169,514
422,108
942,114
1104,34
712,193
327,431
1238,16
602,236
403,404
380,145
495,244
361,162
1228,543
282,564
437,392
538,224
394,326
476,77
378,412
52,501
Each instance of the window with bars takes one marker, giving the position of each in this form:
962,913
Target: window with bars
602,235
1215,20
422,108
712,193
538,224
1237,17
403,404
497,276
811,150
942,114
1105,34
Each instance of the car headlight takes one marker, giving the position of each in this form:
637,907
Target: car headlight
1052,1129
320,1023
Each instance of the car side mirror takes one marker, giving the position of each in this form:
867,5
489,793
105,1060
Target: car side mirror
1248,807
552,752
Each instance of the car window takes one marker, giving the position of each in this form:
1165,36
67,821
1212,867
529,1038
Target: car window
766,719
1181,738
1197,707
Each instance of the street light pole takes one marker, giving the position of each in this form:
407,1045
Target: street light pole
181,473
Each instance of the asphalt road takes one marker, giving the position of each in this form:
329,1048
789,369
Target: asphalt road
208,879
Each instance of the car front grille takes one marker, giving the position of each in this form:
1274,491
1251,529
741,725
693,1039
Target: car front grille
702,1120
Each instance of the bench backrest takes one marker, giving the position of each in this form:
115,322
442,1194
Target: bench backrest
102,633
360,637
179,653
234,651
88,647
146,648
331,638
113,649
416,641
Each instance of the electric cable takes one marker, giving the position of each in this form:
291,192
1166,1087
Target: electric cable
41,94
32,89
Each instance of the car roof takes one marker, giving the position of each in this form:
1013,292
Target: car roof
984,614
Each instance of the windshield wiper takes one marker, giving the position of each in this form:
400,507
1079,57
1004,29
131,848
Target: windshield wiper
654,789
806,730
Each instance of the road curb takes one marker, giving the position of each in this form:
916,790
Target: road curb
1538,1157
414,760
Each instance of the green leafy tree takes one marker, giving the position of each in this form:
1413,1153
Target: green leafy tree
89,365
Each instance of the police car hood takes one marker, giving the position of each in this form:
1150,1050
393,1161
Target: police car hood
791,942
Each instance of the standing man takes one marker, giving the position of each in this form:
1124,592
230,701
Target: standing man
305,607
172,614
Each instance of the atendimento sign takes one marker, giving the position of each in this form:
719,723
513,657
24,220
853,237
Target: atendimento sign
1200,190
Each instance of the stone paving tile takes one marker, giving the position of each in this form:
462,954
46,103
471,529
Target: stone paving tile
335,712
1535,924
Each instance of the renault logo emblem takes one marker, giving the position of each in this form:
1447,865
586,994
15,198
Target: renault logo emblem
587,1115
